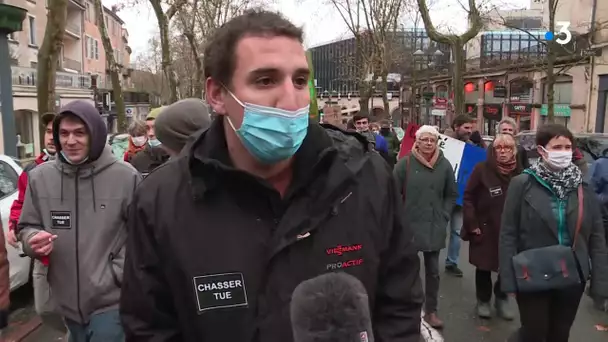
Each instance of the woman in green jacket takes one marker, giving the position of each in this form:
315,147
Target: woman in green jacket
427,183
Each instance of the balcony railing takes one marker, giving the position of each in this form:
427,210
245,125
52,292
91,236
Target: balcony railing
72,64
28,77
73,28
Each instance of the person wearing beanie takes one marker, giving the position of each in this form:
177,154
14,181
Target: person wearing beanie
150,123
179,121
74,213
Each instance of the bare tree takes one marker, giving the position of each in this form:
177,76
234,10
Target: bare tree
112,66
49,53
187,18
373,23
164,18
457,43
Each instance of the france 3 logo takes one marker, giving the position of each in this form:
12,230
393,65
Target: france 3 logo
561,37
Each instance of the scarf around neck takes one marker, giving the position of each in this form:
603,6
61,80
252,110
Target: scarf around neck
508,167
422,159
561,181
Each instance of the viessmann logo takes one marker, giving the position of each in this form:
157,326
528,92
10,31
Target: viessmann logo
340,250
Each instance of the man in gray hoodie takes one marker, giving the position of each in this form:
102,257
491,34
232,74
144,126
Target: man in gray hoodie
74,213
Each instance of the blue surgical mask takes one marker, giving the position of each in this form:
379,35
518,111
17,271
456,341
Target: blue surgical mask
154,142
271,134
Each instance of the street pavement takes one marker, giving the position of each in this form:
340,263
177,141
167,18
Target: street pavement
456,308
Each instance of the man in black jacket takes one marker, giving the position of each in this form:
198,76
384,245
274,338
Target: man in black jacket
220,236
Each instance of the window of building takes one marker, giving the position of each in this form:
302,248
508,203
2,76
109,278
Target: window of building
87,11
562,93
24,126
91,48
32,23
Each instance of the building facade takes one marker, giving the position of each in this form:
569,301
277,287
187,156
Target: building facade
82,57
338,67
516,38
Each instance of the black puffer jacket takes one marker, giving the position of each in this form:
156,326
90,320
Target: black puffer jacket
215,253
149,159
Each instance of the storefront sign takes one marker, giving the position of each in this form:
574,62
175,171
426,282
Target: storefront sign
438,112
559,110
500,91
520,109
441,103
492,111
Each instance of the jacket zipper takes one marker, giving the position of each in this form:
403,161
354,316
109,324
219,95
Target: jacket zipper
77,251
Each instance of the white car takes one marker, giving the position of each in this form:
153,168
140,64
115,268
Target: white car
19,267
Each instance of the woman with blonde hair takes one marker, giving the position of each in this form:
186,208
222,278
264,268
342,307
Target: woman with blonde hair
137,139
426,180
484,199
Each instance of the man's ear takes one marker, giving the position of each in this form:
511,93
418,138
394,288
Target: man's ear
214,94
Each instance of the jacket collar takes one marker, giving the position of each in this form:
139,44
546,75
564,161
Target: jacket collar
208,154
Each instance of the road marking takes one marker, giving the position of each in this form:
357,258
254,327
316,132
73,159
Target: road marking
429,334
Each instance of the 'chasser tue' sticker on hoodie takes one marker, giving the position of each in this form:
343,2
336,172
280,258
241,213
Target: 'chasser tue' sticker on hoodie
61,220
218,291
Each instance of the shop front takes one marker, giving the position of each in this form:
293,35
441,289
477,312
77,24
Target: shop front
492,114
522,113
562,113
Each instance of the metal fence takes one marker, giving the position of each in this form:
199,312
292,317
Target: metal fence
28,77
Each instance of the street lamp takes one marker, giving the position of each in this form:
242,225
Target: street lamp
428,94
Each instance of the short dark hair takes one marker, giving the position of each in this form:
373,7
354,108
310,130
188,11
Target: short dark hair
360,116
219,59
461,119
545,133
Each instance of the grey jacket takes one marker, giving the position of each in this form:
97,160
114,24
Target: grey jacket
528,222
85,206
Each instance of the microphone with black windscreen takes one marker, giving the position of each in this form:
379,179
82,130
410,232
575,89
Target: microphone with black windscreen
332,307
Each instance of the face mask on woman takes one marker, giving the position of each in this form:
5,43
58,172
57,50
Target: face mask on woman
139,141
558,159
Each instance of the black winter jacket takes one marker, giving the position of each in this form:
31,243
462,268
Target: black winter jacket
149,159
215,253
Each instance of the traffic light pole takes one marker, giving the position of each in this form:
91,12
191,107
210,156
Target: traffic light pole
11,20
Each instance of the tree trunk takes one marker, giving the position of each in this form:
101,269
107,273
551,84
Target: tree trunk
163,26
198,77
113,68
457,78
365,93
384,87
456,43
49,54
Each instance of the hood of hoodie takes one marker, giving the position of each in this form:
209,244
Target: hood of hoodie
177,122
97,129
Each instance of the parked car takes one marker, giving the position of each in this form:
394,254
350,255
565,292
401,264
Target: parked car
19,266
592,145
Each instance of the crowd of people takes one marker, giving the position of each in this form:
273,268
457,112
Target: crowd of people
202,230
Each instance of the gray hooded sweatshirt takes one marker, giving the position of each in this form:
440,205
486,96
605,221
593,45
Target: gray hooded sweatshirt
85,206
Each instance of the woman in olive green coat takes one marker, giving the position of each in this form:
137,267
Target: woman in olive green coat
427,183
